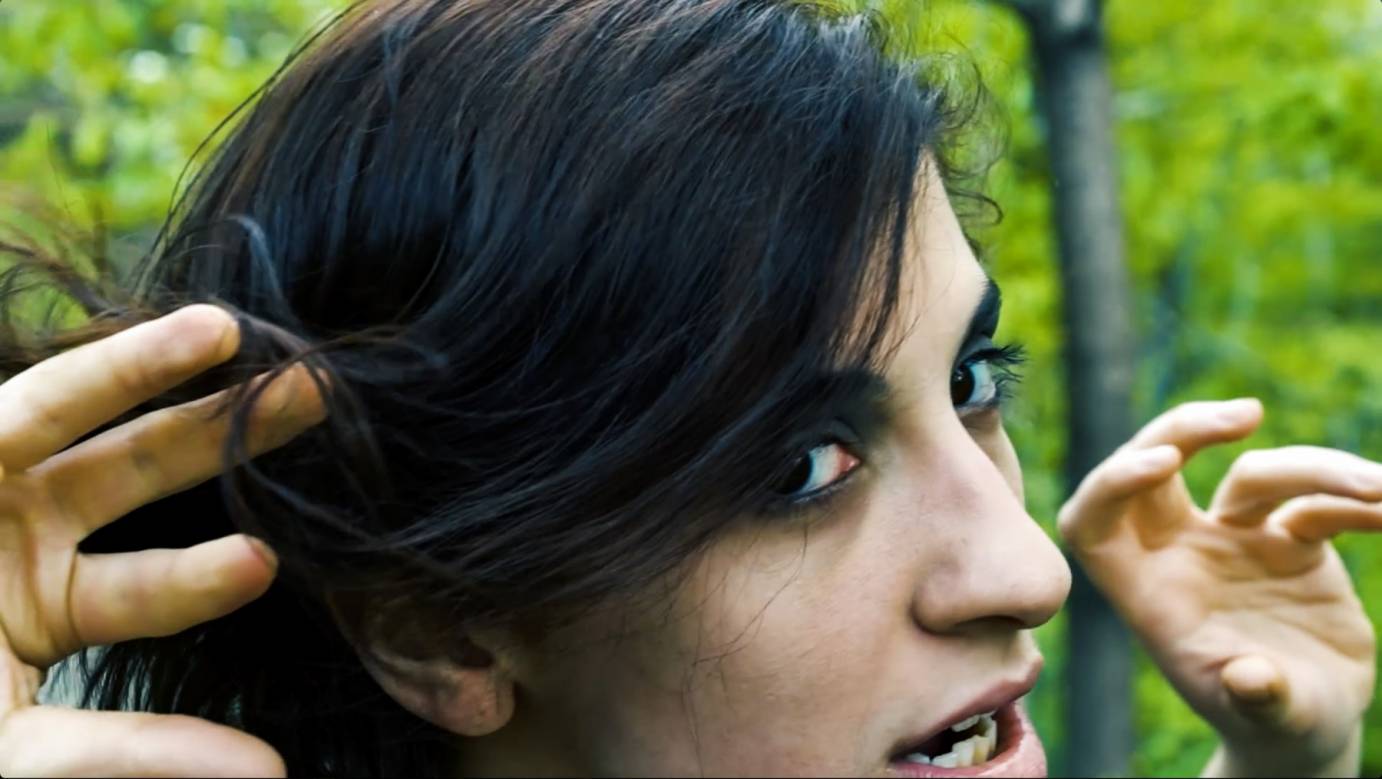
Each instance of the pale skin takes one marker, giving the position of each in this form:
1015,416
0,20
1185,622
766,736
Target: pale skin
797,647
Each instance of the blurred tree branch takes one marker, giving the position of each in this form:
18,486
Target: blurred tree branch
1076,104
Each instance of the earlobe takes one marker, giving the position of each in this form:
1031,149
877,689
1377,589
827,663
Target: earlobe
465,699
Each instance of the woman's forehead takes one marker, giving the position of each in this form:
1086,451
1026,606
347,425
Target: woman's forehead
942,287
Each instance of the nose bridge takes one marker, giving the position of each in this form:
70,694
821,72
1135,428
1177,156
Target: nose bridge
992,562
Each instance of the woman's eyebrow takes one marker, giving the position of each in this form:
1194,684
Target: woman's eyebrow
869,397
862,395
984,321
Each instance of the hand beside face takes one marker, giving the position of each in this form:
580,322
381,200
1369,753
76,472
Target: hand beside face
54,600
1245,605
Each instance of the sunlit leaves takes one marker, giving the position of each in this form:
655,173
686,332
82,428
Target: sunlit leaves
1250,157
101,104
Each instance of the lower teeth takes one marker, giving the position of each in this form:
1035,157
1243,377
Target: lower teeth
972,751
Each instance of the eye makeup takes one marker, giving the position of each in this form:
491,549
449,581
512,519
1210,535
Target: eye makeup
856,407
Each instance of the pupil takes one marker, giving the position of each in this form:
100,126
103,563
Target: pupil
961,386
798,478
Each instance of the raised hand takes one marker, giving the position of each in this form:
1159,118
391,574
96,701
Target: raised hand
55,601
1245,605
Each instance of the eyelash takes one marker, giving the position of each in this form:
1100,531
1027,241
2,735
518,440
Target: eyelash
792,508
1005,360
811,506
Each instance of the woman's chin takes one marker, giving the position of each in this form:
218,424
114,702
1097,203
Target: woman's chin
1020,752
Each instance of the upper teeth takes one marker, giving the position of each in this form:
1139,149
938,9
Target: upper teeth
972,751
965,724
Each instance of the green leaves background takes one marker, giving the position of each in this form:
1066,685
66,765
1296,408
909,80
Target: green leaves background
1250,143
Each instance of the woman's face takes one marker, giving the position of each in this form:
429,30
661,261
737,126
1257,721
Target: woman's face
835,643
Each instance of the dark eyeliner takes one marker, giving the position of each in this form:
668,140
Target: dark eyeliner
811,506
836,431
1006,362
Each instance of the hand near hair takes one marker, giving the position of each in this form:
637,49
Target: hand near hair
1245,605
55,600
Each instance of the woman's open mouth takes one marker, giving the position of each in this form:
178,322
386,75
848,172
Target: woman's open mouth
966,743
995,743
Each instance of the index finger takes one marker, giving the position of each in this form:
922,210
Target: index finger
1191,427
47,407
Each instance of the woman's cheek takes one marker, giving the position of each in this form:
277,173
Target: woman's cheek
792,628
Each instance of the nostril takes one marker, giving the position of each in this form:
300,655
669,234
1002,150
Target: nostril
1011,623
970,597
992,626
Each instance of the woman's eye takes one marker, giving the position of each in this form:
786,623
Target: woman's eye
987,377
974,385
816,471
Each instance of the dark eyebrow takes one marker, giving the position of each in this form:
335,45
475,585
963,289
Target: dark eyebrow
861,395
984,321
868,398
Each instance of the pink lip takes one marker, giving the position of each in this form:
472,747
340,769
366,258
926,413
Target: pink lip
1020,752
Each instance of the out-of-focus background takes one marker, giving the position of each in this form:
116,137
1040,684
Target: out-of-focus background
1230,219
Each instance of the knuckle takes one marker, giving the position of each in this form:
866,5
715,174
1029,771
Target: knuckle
293,395
1107,475
1172,423
146,465
1361,485
277,397
40,417
148,470
136,378
1253,465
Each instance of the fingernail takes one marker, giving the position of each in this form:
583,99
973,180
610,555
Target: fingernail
1239,411
263,551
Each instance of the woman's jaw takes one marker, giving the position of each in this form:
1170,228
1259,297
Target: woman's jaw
990,735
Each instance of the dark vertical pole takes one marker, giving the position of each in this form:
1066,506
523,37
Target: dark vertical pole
1077,108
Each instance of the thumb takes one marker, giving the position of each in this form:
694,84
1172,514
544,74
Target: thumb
1256,687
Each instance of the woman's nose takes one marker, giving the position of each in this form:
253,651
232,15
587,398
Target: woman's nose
992,564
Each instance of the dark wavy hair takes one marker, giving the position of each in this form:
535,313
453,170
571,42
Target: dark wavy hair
576,274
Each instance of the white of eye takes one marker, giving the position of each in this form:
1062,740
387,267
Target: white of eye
818,469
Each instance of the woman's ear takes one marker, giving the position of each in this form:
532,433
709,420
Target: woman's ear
468,693
459,682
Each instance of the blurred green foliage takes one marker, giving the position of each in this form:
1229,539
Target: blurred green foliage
1251,170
